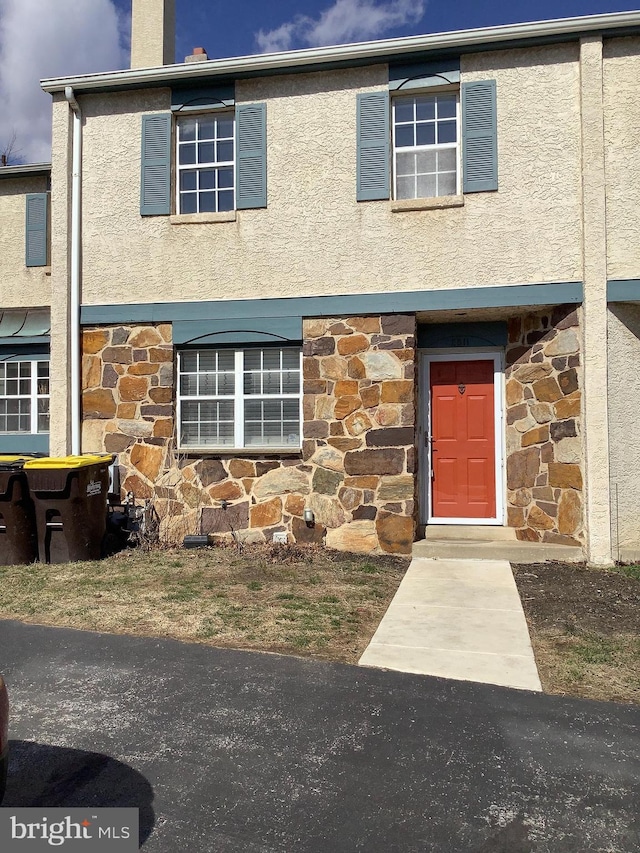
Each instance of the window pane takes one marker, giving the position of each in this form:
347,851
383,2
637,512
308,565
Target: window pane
426,186
205,152
207,385
43,368
406,164
186,130
291,358
188,180
446,131
425,134
224,151
225,129
271,383
252,359
447,160
188,361
225,178
226,384
206,128
12,370
225,200
252,383
271,359
447,106
426,161
207,179
226,359
403,109
186,154
207,360
425,108
290,382
404,136
207,202
188,203
405,188
447,183
189,385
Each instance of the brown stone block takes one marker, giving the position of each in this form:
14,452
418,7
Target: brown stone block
117,355
356,368
569,407
140,489
366,482
115,442
210,471
346,388
109,377
538,435
391,437
538,519
563,429
531,372
192,496
314,328
126,411
547,453
240,468
266,514
339,328
163,428
343,443
314,386
397,391
315,429
364,513
166,332
398,324
120,335
565,475
93,340
357,423
310,368
399,488
228,490
345,406
564,317
370,396
162,410
521,497
161,395
307,534
518,355
569,512
560,539
389,460
543,493
265,467
405,354
353,344
295,505
559,363
522,468
308,448
349,498
133,388
334,367
547,390
537,357
368,325
516,413
217,520
551,509
395,533
145,337
148,460
513,391
388,415
568,381
161,353
326,482
336,428
91,371
515,516
143,368
319,346
527,534
98,403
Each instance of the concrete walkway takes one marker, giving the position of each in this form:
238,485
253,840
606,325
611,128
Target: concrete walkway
457,619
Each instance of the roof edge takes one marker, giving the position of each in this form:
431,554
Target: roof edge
27,169
374,50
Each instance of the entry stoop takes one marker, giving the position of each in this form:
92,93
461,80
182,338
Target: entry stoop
487,542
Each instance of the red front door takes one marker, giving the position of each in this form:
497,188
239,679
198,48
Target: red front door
463,439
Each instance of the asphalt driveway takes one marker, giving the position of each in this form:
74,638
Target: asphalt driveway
235,751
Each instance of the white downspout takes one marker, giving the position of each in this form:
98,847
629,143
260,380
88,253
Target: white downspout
74,291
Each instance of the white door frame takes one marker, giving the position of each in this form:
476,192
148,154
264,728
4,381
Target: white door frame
424,429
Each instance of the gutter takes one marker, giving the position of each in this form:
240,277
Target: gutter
76,248
623,23
27,169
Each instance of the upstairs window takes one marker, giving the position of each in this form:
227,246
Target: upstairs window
206,164
24,396
426,145
235,399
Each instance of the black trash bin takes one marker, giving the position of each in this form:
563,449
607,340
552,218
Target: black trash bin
70,498
18,537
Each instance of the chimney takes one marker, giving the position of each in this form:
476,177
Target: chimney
199,55
153,33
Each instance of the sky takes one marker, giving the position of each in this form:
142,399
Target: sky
55,38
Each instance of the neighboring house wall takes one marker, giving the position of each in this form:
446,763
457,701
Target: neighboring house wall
314,237
624,427
20,286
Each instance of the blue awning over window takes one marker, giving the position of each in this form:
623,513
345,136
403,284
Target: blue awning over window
23,326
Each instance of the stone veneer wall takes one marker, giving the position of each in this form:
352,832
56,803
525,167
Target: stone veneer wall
356,469
543,432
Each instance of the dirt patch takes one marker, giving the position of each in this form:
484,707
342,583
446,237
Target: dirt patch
304,601
585,628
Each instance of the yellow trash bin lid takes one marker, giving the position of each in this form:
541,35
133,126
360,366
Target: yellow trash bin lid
70,462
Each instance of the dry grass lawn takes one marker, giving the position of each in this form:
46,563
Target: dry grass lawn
311,602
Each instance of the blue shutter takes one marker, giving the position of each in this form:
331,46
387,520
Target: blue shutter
251,154
155,187
373,146
37,216
479,137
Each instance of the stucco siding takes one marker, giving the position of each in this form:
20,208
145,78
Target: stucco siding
314,238
621,61
20,287
624,425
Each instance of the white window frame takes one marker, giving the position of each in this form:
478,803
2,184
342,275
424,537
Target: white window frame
33,396
225,115
436,146
238,398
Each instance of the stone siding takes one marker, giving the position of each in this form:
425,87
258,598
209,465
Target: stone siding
543,427
356,467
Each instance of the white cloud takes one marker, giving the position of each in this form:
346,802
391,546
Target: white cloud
50,38
345,21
